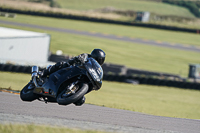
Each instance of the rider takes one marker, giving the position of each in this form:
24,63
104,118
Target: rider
98,54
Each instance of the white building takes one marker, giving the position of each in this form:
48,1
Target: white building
143,16
23,47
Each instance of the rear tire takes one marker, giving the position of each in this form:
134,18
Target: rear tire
27,94
83,88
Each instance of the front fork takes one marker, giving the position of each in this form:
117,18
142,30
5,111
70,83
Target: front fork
70,89
71,86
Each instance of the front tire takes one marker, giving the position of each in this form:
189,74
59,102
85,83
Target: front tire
83,88
27,94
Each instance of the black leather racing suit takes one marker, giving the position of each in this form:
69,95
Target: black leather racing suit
59,65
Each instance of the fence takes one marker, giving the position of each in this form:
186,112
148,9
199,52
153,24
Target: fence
123,70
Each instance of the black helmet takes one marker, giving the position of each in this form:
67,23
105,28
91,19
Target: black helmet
99,55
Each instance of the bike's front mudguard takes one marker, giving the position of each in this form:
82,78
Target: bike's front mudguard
50,88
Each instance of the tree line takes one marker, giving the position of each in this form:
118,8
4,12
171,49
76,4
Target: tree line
193,6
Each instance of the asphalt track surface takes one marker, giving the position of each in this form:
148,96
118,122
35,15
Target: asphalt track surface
106,36
13,110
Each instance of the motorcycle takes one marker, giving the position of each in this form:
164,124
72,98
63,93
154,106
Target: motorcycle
65,86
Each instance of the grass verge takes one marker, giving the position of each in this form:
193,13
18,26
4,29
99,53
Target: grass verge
13,128
14,81
155,100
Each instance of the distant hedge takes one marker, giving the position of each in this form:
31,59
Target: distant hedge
193,6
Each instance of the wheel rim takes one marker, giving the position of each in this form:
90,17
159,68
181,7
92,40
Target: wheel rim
67,93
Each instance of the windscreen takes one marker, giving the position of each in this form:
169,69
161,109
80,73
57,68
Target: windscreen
94,69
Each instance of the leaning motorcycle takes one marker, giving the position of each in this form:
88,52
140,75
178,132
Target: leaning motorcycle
65,86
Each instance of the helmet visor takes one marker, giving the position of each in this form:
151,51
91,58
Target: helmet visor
101,61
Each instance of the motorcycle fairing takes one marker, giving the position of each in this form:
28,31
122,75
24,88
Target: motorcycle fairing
95,71
50,88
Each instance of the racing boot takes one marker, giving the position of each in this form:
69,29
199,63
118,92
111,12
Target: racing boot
80,102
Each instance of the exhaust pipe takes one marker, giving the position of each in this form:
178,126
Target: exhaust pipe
34,72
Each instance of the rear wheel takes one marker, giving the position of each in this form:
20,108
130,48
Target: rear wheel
79,90
27,94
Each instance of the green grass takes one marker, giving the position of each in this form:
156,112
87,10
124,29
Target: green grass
130,54
135,5
15,81
119,30
155,100
12,128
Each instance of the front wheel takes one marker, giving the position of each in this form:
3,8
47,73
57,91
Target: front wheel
81,90
27,94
